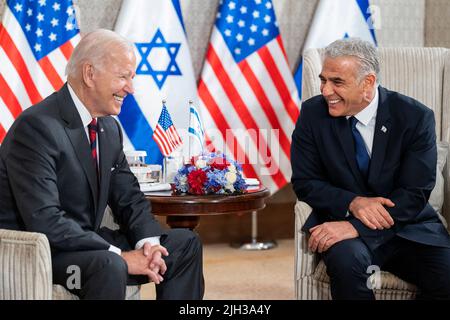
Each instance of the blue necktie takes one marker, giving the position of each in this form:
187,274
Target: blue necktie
362,157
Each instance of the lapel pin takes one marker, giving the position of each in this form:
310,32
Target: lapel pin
101,130
384,129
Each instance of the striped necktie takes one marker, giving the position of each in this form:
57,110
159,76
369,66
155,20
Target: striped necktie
92,127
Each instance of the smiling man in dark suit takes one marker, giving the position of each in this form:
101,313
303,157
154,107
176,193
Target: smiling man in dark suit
62,163
364,158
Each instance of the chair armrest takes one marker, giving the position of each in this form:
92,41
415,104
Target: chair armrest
26,266
305,260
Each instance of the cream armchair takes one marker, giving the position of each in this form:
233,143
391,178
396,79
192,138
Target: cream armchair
26,267
423,73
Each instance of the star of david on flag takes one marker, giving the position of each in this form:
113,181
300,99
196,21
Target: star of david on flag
165,134
36,41
145,66
164,72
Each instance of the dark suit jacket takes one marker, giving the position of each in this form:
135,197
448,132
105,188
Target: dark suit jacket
402,168
48,181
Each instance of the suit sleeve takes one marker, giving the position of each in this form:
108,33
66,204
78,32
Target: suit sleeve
417,173
32,171
309,178
128,204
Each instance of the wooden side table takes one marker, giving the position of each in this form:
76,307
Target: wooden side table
184,211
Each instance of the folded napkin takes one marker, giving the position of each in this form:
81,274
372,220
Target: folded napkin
149,187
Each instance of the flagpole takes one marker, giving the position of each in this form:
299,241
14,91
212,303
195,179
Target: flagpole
189,134
163,101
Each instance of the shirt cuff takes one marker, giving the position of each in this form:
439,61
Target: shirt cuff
152,240
115,250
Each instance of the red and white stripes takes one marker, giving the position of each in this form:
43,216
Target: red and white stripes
168,140
250,108
23,80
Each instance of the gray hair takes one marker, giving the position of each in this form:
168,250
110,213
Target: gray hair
364,51
95,47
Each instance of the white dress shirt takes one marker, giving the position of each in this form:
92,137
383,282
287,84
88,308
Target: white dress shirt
86,119
366,122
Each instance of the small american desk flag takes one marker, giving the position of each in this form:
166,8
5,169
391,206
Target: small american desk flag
165,134
36,41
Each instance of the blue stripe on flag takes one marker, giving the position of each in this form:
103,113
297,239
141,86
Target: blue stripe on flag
298,78
364,5
138,130
176,5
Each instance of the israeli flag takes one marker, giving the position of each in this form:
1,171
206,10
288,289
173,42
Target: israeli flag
337,19
196,130
164,72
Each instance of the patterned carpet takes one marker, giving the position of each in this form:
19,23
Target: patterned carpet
245,275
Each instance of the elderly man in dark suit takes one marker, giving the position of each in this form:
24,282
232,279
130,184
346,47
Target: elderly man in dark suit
364,158
62,163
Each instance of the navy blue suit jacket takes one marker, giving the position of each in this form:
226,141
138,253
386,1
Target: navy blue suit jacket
48,180
402,168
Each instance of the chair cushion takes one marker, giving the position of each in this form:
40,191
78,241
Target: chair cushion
386,279
437,195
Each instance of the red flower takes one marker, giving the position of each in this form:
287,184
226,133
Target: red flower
196,179
219,163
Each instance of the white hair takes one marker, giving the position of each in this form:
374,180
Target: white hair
364,51
95,47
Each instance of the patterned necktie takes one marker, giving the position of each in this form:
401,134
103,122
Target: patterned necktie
362,157
93,139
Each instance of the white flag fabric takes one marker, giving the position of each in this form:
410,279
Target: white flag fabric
164,72
196,130
338,19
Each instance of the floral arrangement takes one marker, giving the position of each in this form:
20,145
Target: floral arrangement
211,173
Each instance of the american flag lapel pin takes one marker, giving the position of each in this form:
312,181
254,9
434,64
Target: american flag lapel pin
384,129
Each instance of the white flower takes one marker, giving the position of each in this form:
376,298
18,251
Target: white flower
200,163
183,180
230,187
231,177
232,168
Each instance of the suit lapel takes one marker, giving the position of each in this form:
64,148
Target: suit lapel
77,136
105,166
381,136
342,131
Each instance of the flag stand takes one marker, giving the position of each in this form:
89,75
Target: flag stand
255,244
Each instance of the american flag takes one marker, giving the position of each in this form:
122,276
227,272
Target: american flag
246,85
37,38
165,134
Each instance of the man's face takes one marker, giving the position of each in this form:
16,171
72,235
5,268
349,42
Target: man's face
112,82
345,94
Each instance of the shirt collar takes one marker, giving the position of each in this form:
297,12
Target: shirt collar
86,117
369,112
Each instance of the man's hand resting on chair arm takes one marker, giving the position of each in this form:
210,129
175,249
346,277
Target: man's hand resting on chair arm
149,263
324,235
371,212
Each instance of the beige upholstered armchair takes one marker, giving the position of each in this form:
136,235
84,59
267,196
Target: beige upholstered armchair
26,268
423,73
